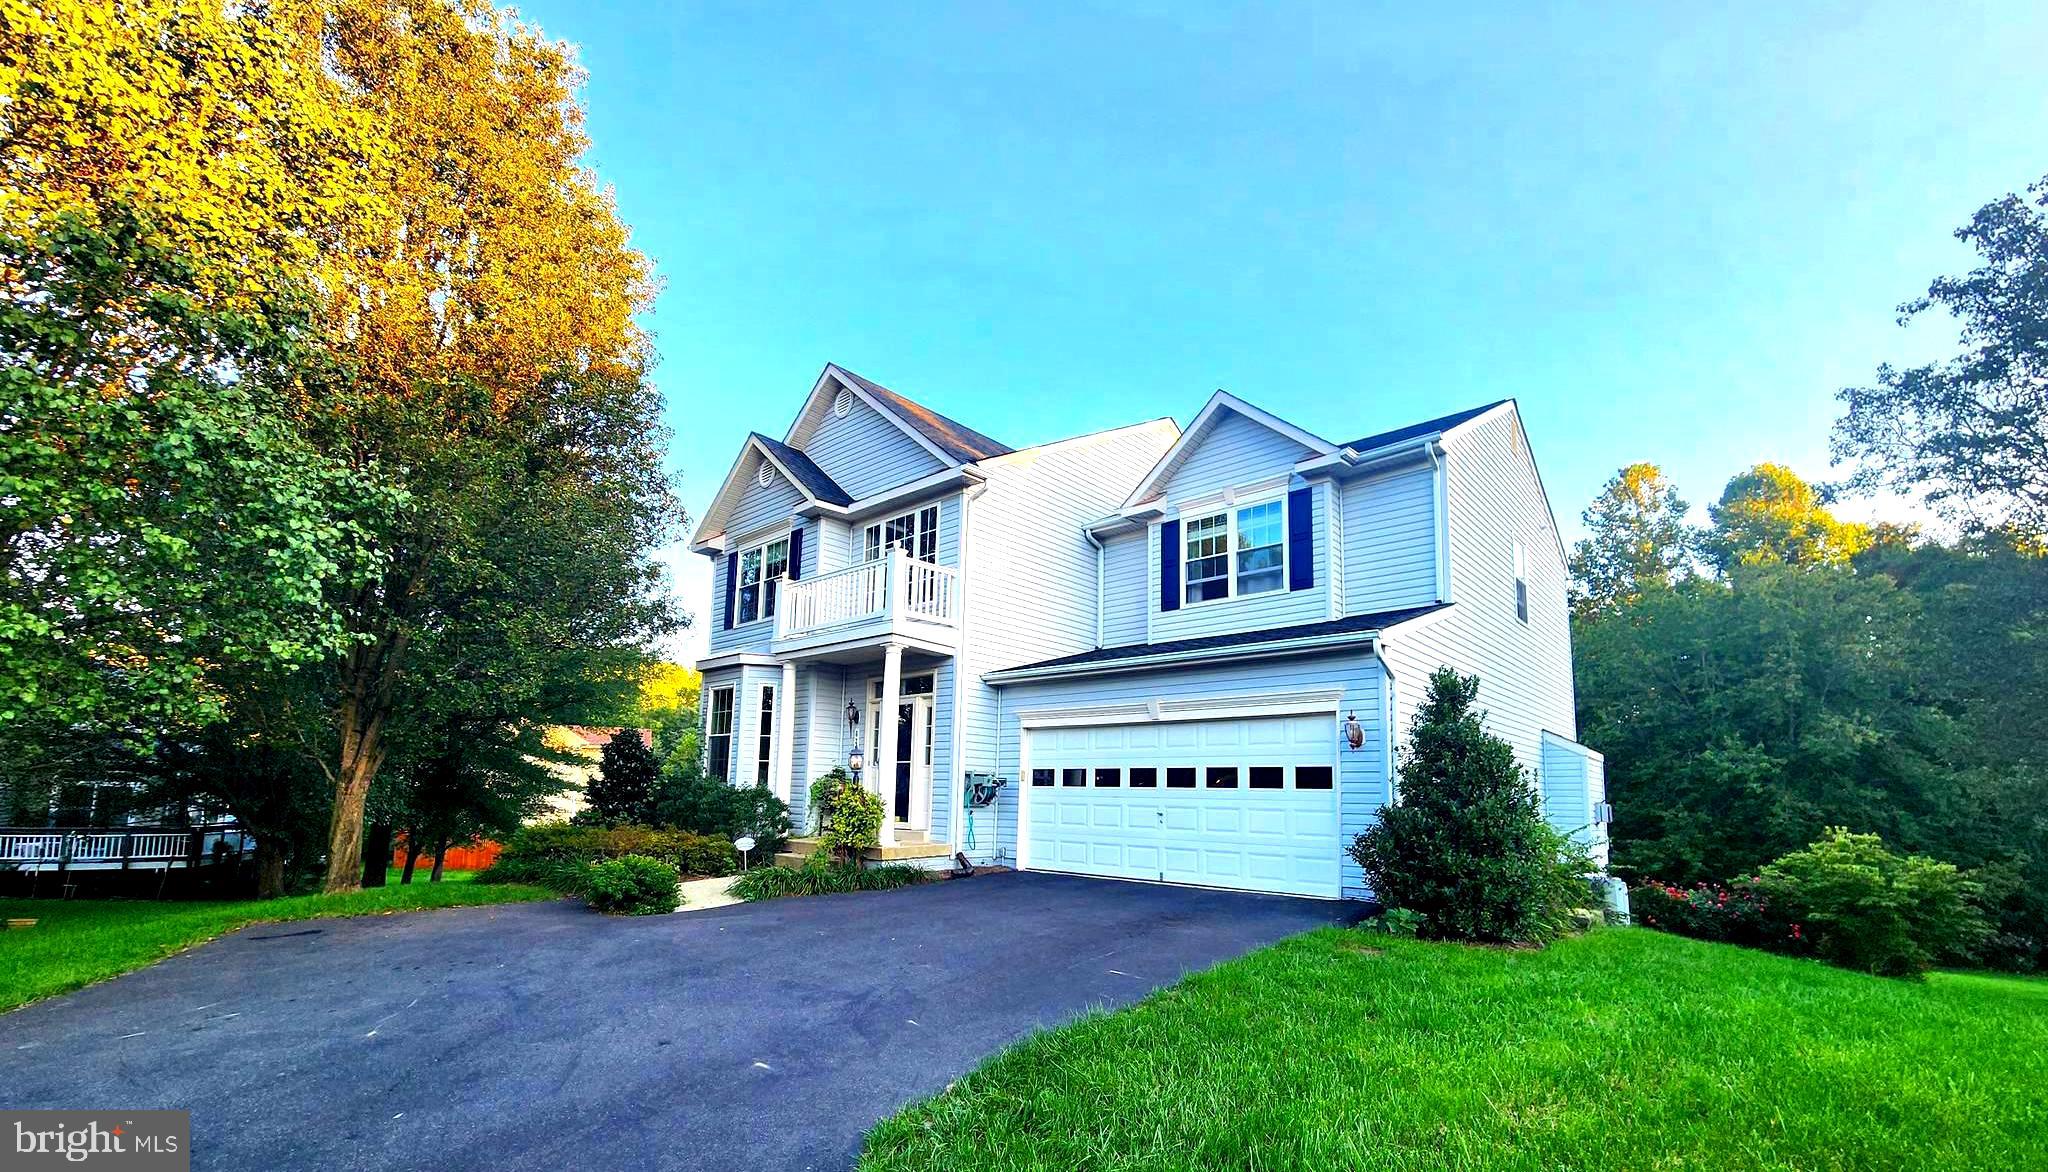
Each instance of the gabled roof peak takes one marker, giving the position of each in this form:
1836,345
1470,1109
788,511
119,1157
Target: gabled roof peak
961,443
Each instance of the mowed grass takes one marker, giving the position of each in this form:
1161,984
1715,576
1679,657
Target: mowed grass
1625,1049
77,942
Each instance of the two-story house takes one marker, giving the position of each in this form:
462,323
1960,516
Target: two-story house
1186,656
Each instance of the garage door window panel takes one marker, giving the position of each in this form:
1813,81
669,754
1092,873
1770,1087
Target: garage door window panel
1222,777
1179,777
1108,778
1144,777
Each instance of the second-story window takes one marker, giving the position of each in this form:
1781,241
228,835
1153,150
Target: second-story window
762,570
916,534
1209,558
1236,552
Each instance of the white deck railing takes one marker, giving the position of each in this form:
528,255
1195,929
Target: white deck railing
42,850
881,591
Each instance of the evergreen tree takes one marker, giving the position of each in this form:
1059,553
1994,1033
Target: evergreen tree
1466,845
623,790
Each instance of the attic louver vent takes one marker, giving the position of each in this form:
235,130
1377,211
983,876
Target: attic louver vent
763,474
842,403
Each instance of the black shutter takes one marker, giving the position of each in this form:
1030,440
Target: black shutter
1301,539
732,577
1169,565
796,553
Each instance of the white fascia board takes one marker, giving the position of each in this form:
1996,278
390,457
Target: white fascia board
727,659
962,476
1351,463
1348,640
1219,402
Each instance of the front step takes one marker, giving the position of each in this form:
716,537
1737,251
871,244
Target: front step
911,845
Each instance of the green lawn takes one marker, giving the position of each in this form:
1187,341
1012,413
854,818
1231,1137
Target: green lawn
77,942
1624,1049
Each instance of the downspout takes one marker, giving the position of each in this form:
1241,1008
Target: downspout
1440,507
957,814
1097,543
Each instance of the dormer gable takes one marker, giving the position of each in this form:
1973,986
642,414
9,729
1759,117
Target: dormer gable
869,438
767,482
1229,442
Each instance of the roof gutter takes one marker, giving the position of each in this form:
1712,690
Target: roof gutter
1274,648
1350,461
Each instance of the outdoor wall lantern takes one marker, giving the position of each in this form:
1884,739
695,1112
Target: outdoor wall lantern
1354,732
852,715
855,762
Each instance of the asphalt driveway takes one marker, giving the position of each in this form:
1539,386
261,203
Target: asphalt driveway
543,1036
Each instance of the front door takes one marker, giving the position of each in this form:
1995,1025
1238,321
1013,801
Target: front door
908,793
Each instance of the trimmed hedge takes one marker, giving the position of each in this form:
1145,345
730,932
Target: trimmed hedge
558,856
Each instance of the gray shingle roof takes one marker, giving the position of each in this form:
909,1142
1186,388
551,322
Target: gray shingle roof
811,478
1351,624
1427,427
957,440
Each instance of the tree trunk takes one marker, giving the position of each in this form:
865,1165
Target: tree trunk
362,754
269,869
440,855
412,858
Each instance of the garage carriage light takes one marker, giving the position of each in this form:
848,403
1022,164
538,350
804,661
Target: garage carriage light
1354,732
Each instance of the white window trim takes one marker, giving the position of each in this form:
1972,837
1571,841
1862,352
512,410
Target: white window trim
1229,509
1519,596
767,721
759,546
732,718
915,516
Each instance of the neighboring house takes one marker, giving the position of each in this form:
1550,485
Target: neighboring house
1162,643
587,743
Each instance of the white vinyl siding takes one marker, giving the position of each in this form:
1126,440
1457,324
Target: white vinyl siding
1389,533
1025,527
1125,589
1235,451
1524,669
1574,786
865,453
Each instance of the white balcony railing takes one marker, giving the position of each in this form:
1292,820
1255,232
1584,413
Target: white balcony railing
896,591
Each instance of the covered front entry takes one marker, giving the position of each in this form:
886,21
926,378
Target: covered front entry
1246,802
907,796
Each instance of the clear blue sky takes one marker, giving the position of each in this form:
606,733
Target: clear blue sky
1671,234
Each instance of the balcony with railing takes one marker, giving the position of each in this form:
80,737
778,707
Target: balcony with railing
896,595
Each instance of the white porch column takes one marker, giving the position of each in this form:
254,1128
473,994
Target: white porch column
884,771
785,733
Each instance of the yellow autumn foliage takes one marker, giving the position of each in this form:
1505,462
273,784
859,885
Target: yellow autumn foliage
220,128
413,163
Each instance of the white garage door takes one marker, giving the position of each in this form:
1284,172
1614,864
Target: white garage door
1248,803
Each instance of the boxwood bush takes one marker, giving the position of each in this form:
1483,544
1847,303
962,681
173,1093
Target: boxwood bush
820,875
632,885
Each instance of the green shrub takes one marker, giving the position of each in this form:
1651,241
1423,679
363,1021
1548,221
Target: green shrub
1467,846
688,800
557,855
633,885
820,875
1866,908
848,817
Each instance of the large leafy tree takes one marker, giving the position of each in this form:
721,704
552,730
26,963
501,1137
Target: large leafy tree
161,522
1637,539
498,370
1770,515
1970,433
